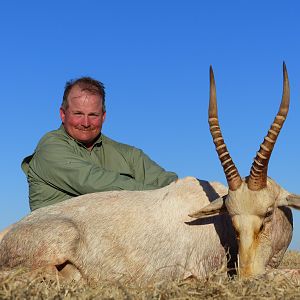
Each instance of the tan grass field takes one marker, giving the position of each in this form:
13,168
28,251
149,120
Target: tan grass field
20,286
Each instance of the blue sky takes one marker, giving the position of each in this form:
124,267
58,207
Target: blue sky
154,58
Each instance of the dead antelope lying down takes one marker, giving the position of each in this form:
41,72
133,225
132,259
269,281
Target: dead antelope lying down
150,235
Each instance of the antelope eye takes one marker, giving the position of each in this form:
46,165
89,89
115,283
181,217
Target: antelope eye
269,213
261,227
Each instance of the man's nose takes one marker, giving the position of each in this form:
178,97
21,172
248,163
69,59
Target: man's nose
86,122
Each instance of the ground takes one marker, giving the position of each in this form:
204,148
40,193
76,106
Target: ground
19,286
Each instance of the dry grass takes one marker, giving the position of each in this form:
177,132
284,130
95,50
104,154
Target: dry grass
21,286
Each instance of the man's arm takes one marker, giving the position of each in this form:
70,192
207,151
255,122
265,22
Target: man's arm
149,172
57,166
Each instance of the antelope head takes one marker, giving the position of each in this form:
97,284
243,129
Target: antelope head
257,205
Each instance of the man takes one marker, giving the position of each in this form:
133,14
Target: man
78,159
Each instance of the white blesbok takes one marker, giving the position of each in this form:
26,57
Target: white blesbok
145,236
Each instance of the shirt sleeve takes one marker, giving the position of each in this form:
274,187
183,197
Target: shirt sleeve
58,166
149,172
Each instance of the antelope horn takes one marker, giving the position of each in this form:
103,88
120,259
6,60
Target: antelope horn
232,175
258,173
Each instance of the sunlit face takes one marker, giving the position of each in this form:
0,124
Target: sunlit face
83,117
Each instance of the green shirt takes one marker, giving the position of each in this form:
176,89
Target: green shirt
61,168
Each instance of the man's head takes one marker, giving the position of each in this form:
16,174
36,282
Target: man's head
83,109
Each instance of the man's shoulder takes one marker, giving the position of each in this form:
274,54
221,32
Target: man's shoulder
53,137
48,143
117,145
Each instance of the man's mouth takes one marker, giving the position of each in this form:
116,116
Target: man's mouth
85,129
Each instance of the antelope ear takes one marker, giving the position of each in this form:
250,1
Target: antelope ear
293,200
216,207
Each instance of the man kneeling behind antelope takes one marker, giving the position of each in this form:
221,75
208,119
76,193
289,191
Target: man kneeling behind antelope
149,235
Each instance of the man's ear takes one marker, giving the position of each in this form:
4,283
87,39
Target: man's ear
291,200
103,117
216,207
62,114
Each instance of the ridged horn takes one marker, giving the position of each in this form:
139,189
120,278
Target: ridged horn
259,170
232,175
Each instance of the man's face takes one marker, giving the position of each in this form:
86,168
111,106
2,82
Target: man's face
83,117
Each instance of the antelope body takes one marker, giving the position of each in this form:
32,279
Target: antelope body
151,241
187,228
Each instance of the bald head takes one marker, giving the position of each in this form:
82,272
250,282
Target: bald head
87,85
